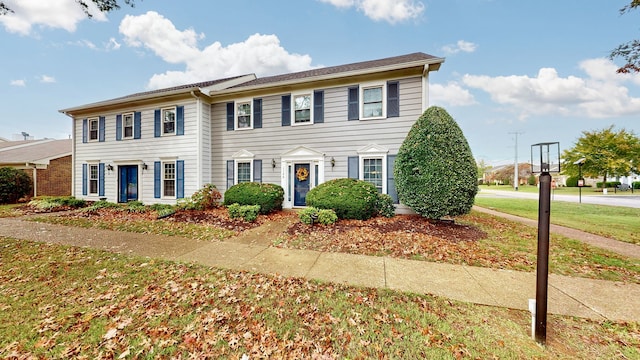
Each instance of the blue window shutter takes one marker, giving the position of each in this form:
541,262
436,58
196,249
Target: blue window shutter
393,99
101,179
230,170
180,179
84,179
137,125
118,127
84,131
230,116
257,113
101,126
157,168
391,182
156,123
353,112
180,120
318,107
286,110
257,171
353,166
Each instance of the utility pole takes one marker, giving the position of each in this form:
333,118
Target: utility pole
515,166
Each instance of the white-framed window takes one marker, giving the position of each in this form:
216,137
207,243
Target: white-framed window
127,126
244,115
93,179
244,171
93,129
302,105
169,121
169,179
372,172
373,98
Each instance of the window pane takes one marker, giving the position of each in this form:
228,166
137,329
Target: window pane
373,95
372,172
371,110
93,129
168,121
372,103
169,188
169,182
169,171
244,115
244,172
93,179
302,102
303,116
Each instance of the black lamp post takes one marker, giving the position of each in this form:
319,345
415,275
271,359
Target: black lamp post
543,156
580,162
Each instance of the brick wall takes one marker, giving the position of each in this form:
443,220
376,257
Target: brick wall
55,180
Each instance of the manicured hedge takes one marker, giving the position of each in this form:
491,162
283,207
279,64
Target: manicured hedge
349,198
609,184
268,196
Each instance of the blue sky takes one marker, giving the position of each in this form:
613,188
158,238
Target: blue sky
536,68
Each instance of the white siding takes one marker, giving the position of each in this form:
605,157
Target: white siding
147,149
337,137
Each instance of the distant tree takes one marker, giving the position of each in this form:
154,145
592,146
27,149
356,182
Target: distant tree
434,170
629,51
483,167
607,153
103,5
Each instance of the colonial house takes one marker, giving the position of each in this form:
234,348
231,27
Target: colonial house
297,130
47,162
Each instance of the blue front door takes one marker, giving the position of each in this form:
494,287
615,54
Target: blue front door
128,183
301,183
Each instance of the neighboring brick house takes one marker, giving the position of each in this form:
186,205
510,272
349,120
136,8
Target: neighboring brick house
47,162
297,130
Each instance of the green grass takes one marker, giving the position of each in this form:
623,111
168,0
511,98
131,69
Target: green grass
562,190
620,223
62,302
9,210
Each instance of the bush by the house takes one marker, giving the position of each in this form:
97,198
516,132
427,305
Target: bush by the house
204,199
385,206
163,210
311,215
349,198
247,212
14,185
636,184
609,184
435,172
532,180
268,196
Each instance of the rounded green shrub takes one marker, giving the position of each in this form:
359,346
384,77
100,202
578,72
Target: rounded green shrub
311,215
247,212
268,196
435,172
14,185
349,198
572,181
385,206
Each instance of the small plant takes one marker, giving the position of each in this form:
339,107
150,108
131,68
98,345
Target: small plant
268,196
385,206
312,215
204,199
136,207
247,212
102,204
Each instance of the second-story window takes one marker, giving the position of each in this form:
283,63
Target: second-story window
93,129
372,102
302,109
127,124
168,121
244,115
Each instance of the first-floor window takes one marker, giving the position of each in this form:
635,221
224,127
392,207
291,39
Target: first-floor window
93,179
372,172
244,172
169,179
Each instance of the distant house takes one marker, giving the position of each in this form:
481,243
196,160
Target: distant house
296,130
48,162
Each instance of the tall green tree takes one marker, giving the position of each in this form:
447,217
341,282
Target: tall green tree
434,170
607,152
103,5
629,51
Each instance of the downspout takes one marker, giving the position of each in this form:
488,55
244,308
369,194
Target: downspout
198,140
425,88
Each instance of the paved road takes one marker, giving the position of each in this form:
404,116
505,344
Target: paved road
630,200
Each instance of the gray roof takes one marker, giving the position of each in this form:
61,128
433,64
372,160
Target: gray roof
34,151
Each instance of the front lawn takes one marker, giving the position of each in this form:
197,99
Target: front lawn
62,302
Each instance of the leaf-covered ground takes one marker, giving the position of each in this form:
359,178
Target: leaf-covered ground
61,302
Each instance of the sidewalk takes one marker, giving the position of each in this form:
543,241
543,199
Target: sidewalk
594,299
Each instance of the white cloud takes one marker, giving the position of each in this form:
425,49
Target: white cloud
391,11
461,45
259,54
21,83
450,94
47,79
112,44
600,94
57,14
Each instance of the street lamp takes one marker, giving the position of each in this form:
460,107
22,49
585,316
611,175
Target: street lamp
543,157
580,162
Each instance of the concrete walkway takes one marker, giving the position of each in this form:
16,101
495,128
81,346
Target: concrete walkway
594,299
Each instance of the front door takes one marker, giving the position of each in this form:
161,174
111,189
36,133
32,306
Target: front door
128,183
301,183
